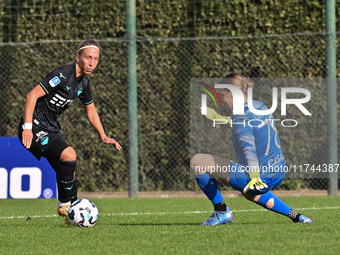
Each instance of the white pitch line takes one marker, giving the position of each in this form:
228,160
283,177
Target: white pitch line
152,213
25,217
198,212
169,213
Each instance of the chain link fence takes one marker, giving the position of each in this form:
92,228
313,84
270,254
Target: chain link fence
164,68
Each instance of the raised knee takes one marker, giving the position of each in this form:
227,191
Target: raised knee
194,163
68,154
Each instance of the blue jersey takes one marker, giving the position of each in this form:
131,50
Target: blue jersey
256,141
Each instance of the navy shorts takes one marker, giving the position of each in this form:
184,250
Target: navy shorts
239,178
45,143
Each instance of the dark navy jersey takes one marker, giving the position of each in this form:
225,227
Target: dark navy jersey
61,87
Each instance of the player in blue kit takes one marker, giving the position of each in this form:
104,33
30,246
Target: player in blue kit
260,165
40,132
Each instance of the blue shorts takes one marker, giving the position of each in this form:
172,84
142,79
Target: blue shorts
239,178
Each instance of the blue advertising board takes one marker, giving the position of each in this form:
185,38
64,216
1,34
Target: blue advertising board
22,175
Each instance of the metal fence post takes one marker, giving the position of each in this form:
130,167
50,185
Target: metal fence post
132,97
331,95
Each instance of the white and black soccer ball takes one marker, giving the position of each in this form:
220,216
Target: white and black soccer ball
83,213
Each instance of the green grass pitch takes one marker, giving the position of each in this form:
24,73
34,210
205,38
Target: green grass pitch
170,226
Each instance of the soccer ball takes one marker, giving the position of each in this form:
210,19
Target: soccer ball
83,213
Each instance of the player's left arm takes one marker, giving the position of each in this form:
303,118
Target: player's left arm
94,119
246,138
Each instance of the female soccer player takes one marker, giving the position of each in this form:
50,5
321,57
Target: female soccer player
260,165
39,130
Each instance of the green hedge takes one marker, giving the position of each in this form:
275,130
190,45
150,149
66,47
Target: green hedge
68,20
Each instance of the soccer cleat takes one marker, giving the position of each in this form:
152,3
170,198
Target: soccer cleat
63,210
218,218
304,219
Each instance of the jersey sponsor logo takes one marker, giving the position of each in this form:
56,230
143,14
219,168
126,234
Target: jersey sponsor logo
59,101
62,76
54,81
278,159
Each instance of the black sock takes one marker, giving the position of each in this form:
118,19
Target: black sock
67,188
221,207
294,215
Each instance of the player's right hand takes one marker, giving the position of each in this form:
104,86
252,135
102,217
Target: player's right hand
255,183
27,137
